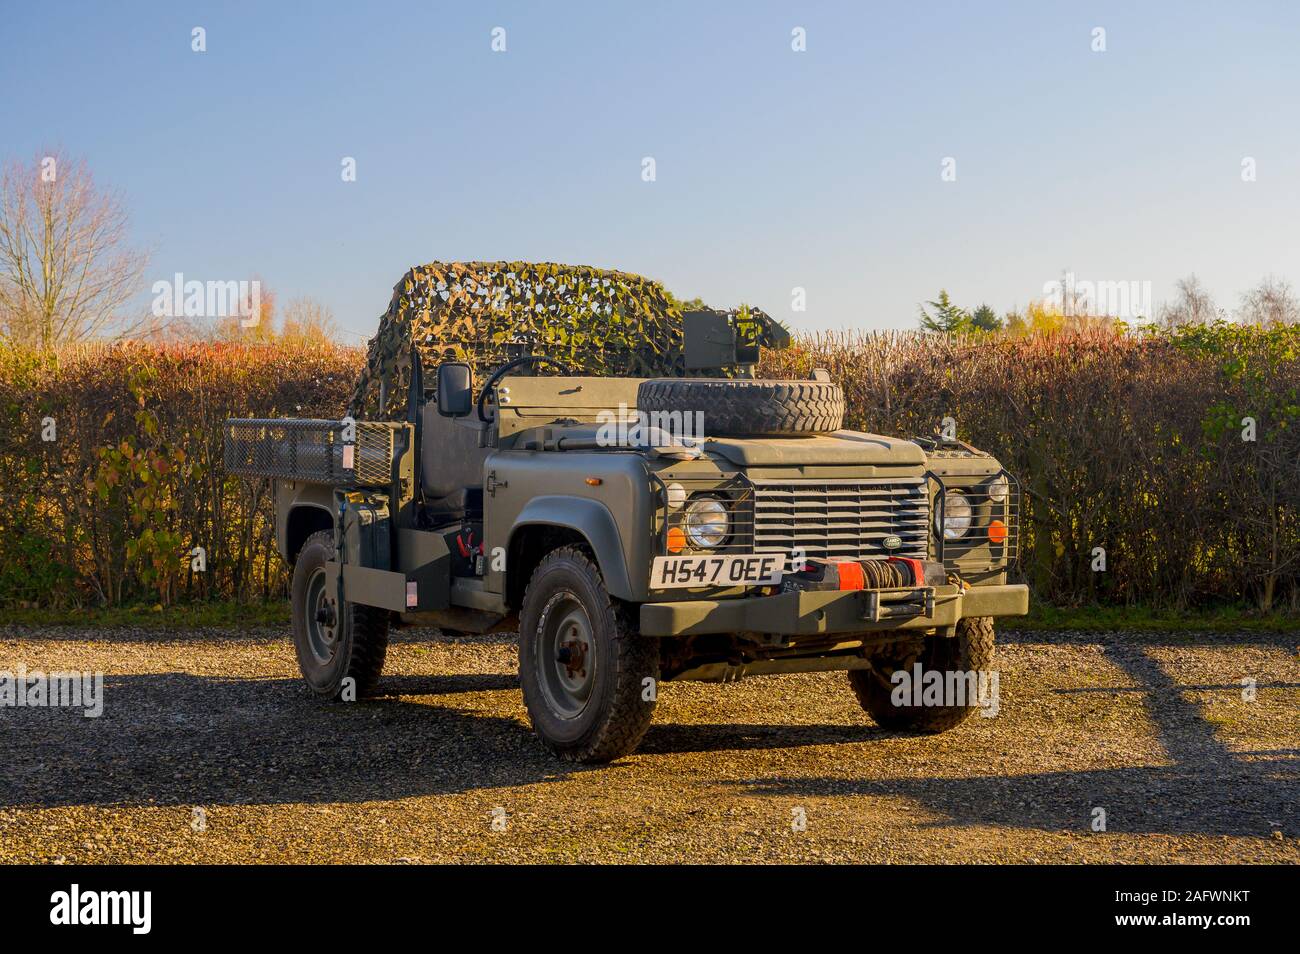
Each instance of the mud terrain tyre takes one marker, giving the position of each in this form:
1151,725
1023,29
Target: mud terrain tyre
583,666
744,408
971,650
349,642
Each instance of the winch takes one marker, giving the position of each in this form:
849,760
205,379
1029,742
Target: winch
886,574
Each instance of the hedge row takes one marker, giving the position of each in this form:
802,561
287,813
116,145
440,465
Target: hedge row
113,476
1178,455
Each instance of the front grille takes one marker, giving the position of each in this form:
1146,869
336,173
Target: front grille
847,519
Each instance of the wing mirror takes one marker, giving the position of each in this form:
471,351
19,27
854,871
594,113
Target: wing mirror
455,389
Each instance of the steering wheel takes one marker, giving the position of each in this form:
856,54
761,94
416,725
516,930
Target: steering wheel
502,371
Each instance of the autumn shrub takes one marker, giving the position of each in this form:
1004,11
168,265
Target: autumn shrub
111,474
1175,457
1170,459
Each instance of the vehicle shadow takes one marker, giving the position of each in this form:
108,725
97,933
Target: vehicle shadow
1209,789
670,738
182,739
390,687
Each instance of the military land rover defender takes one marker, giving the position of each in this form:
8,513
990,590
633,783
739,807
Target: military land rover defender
561,451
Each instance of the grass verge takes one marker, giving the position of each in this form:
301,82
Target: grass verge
1142,619
146,616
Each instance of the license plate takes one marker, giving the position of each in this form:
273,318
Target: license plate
742,569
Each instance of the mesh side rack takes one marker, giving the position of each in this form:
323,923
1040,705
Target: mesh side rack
312,451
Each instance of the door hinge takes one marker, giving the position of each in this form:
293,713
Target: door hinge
493,483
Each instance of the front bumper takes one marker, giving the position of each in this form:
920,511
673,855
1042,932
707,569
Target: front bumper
806,613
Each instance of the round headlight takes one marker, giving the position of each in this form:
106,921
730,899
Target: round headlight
999,487
956,516
706,523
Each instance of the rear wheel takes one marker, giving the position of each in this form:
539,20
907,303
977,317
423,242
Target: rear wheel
335,641
970,651
587,675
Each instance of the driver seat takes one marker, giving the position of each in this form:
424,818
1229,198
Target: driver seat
451,464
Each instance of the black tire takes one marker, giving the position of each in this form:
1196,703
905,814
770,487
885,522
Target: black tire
327,655
744,408
589,705
971,650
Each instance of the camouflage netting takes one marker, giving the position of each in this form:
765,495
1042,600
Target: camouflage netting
593,321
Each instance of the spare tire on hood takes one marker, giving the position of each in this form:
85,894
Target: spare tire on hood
736,407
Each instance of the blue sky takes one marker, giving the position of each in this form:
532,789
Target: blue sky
775,169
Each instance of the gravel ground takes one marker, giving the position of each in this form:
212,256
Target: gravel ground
213,730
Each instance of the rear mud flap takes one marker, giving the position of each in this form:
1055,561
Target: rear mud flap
370,587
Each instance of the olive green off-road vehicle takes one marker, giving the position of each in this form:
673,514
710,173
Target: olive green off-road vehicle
621,492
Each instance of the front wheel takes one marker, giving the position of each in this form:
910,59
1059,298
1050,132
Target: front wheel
959,665
588,677
335,641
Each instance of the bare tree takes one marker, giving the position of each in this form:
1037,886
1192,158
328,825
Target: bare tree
66,269
1271,302
254,323
307,321
1193,306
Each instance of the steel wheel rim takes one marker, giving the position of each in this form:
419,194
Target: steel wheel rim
322,638
566,656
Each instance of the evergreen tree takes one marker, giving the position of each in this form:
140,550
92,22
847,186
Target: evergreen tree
947,318
986,319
